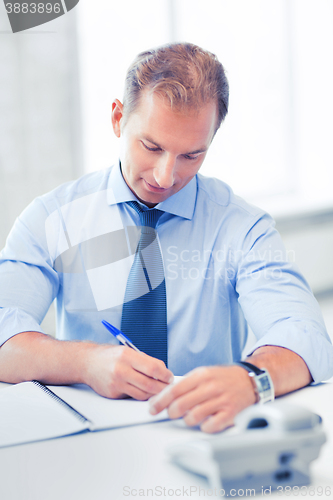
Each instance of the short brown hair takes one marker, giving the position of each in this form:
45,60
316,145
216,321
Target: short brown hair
185,74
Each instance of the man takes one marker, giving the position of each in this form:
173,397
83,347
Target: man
224,263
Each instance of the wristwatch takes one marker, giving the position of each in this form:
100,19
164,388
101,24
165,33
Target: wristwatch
261,380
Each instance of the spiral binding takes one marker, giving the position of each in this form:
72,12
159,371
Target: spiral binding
60,401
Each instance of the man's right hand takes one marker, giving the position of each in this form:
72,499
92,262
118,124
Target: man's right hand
118,371
112,371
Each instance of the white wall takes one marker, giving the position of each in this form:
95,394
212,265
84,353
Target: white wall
40,118
40,137
110,36
309,241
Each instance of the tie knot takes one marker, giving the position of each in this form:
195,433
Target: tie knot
148,217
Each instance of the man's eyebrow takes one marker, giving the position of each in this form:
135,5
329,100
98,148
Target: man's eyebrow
198,151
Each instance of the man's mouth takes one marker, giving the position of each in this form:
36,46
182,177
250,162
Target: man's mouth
155,189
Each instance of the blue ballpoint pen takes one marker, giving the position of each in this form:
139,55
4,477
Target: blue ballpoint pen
119,335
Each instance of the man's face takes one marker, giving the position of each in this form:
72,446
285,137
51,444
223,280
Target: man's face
161,149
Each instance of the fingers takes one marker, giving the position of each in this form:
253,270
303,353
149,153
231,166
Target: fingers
198,407
151,367
210,397
181,396
129,390
218,422
117,371
213,415
177,403
137,385
142,372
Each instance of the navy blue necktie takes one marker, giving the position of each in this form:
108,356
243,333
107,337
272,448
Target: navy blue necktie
144,317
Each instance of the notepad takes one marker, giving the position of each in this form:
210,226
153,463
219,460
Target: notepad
31,411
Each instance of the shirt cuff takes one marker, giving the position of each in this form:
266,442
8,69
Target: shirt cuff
14,321
312,347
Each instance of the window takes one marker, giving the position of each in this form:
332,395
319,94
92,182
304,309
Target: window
274,147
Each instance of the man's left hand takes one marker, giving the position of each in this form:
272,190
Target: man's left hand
207,396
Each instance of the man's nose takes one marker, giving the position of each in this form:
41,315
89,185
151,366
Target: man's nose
164,171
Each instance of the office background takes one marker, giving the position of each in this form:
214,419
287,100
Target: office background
58,80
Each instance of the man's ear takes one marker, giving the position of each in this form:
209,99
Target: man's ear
117,116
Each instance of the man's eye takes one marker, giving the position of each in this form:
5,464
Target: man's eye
189,157
151,149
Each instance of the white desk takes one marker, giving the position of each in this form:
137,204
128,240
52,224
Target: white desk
110,464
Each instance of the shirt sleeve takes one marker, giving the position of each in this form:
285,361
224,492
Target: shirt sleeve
278,303
28,282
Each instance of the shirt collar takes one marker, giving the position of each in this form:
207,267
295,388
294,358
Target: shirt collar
181,203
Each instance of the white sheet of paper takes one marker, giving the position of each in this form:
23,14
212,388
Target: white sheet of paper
28,414
104,413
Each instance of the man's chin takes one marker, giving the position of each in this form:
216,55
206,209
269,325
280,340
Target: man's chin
151,196
150,200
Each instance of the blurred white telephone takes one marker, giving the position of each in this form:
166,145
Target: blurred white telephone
271,445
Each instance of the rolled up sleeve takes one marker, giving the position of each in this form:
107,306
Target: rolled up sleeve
278,303
28,282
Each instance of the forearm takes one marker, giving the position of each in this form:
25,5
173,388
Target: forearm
112,371
218,393
33,355
286,368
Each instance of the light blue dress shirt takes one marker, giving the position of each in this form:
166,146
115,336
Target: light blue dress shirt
225,267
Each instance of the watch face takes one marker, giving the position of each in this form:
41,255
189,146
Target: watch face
265,387
265,383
